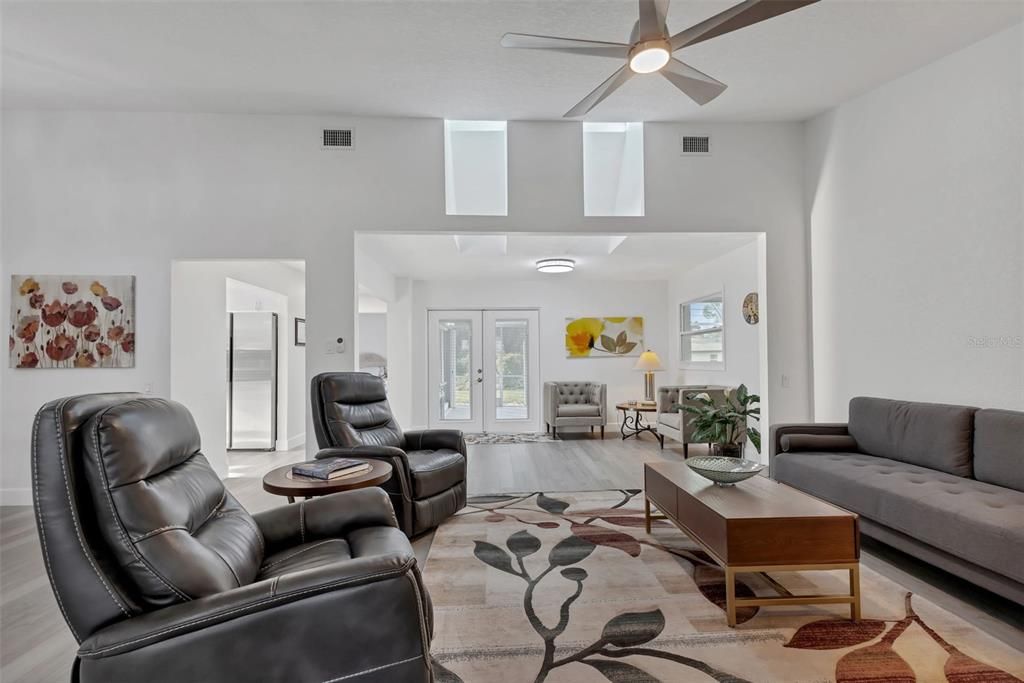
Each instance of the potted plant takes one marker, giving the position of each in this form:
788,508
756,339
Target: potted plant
724,425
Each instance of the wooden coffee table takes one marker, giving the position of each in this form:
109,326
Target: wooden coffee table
282,482
758,525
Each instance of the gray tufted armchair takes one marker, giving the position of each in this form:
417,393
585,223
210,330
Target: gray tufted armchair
575,404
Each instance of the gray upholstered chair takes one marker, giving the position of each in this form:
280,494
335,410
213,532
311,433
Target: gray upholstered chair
575,404
162,576
675,424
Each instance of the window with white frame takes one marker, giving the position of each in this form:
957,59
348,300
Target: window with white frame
702,333
475,168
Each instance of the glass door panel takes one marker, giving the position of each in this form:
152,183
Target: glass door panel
454,371
511,369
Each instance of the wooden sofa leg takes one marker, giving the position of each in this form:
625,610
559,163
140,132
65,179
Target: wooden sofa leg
554,432
661,440
686,451
591,428
602,432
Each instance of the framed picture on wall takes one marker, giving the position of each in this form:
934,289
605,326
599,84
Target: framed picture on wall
300,331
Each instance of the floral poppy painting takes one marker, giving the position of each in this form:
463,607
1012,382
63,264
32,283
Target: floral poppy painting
72,321
603,337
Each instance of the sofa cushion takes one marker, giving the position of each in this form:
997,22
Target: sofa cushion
931,435
999,448
978,522
434,471
578,410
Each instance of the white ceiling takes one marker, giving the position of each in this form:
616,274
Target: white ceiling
598,257
441,58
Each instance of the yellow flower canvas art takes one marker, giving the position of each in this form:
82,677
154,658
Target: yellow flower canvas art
604,337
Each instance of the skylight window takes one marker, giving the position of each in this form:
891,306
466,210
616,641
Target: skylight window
475,168
613,169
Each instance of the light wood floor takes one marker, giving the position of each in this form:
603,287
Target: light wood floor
36,646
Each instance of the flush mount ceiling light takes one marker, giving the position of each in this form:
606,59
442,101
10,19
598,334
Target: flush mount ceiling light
556,265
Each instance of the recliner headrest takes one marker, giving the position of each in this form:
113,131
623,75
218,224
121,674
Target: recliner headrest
144,437
352,388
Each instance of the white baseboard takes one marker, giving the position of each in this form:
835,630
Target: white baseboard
15,496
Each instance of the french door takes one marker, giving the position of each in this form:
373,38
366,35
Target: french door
483,370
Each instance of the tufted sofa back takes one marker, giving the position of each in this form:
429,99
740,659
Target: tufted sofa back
578,392
121,495
352,409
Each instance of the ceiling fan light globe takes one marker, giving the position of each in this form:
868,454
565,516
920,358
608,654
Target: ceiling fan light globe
649,56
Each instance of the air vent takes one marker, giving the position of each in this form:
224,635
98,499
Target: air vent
338,138
694,144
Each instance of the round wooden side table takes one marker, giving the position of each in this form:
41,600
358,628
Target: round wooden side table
634,425
280,481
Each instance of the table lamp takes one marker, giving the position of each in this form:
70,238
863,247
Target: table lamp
648,362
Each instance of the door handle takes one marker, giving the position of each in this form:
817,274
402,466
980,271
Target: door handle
479,379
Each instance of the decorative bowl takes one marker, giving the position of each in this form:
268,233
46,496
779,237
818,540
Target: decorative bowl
724,471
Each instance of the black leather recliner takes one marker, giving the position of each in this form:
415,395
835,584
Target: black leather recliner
352,417
162,575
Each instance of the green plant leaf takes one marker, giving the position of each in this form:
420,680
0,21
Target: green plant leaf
523,543
741,394
633,628
607,343
620,672
755,438
493,556
570,550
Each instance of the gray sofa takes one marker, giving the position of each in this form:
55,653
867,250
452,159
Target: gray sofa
575,404
943,483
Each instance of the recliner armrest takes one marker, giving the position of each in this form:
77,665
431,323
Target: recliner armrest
374,452
432,439
331,516
187,617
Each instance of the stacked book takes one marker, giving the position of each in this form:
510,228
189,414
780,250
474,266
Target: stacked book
330,469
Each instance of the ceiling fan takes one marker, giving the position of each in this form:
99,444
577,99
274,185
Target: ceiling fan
650,47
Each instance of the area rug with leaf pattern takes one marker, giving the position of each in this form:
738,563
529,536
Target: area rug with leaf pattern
567,587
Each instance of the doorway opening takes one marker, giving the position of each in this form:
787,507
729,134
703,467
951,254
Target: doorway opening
235,361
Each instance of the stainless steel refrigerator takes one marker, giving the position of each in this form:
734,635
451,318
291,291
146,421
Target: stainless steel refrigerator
252,381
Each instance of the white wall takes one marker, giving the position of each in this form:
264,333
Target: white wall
118,198
735,274
556,300
914,195
198,342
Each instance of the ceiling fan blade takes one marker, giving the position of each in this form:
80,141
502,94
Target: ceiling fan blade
735,18
652,19
698,86
525,41
600,92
